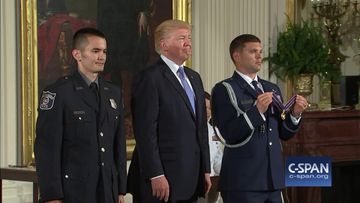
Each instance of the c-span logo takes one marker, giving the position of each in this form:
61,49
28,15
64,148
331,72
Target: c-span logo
308,171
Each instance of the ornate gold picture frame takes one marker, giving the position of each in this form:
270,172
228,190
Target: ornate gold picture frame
29,71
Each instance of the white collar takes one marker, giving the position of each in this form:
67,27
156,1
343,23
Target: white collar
247,78
173,66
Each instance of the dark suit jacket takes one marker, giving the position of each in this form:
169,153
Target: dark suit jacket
170,138
258,165
78,143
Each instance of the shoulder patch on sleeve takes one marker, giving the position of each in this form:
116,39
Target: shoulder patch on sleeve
47,100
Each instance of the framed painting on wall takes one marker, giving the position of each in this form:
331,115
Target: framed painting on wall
47,27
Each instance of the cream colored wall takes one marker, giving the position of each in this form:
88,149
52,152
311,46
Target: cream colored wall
13,191
8,84
216,23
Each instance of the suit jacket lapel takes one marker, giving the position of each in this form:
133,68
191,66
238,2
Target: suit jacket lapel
265,87
84,91
176,84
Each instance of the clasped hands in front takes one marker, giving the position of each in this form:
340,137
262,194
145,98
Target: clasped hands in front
265,99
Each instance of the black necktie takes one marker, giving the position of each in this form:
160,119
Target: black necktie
256,86
94,89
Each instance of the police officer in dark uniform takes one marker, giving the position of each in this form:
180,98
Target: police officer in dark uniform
80,146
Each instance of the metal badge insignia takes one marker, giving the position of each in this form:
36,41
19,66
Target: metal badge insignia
47,100
113,104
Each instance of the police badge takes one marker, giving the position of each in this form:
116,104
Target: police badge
47,100
113,104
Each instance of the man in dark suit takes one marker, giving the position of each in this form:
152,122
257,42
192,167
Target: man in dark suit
80,144
171,158
253,172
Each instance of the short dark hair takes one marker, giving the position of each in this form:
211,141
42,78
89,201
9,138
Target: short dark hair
239,42
80,36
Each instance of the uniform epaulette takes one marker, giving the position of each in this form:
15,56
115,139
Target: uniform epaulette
226,80
112,84
62,79
59,82
268,82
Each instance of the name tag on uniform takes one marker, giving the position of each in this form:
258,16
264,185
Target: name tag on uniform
78,112
245,102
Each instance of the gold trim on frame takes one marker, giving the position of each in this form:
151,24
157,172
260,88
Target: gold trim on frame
182,10
290,9
29,72
29,85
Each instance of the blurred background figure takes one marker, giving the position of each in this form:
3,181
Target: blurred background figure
216,154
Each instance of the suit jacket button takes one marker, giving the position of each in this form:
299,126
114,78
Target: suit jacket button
102,164
102,149
66,176
101,134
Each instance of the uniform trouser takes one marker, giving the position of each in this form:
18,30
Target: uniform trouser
100,190
101,193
